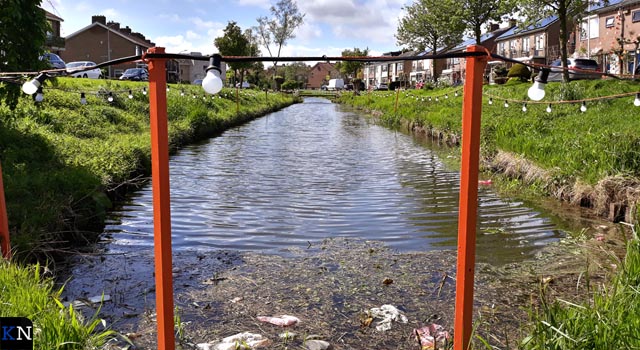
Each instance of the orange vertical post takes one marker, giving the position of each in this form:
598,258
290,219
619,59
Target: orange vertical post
161,199
5,243
467,217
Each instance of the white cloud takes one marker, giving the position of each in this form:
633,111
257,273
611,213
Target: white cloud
202,24
193,35
111,14
259,3
170,17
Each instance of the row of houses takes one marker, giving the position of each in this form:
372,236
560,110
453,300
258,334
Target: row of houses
610,34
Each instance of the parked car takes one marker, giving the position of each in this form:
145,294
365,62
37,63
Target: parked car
245,85
323,87
94,73
135,74
381,86
54,60
583,64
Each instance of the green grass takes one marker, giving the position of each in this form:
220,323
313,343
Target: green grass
609,320
25,293
62,160
604,141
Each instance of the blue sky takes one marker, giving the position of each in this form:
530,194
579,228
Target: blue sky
191,25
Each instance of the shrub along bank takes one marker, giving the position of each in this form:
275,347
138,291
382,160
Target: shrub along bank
63,161
590,158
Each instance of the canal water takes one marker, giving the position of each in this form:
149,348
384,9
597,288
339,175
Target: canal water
314,171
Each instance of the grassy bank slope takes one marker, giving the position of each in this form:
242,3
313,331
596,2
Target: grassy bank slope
590,158
63,161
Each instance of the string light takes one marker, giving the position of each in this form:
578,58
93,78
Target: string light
536,92
429,98
549,108
144,91
636,102
31,87
168,88
83,99
437,100
39,95
110,98
455,94
182,92
583,107
506,104
490,100
524,107
212,83
446,95
130,94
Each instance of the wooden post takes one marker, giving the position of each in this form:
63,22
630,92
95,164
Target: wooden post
5,242
467,217
161,199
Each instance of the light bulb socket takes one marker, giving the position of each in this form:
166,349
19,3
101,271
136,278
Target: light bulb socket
214,63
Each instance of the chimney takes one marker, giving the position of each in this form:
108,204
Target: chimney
114,25
126,30
494,27
99,19
512,22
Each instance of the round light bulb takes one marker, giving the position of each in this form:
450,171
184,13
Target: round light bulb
30,87
583,107
490,100
110,98
144,91
636,102
83,99
212,83
39,97
130,94
536,91
524,107
181,93
549,108
506,104
437,100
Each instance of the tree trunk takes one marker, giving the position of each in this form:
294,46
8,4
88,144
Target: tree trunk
434,71
562,15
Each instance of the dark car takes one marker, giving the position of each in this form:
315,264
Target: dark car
54,60
580,64
135,74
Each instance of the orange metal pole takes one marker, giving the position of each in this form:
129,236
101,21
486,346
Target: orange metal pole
161,200
467,217
4,223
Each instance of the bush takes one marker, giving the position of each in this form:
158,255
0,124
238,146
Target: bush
519,70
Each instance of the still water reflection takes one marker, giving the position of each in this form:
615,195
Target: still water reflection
313,171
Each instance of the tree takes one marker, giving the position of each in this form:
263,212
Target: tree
278,29
568,13
351,68
430,24
20,48
235,43
476,13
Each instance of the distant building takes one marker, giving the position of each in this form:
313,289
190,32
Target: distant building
101,41
54,42
318,74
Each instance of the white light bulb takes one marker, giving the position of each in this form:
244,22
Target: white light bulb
490,100
144,91
212,83
636,102
30,87
536,91
39,96
583,107
110,98
182,93
130,94
524,107
506,104
549,108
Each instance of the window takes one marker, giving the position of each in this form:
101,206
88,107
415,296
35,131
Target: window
540,39
608,22
525,44
635,16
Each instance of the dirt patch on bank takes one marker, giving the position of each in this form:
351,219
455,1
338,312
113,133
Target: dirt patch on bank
330,287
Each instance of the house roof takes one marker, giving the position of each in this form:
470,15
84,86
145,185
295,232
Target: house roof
52,17
483,38
539,26
112,30
611,5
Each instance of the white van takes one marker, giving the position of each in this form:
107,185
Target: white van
335,84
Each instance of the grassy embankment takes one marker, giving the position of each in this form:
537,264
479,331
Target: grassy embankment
63,163
590,158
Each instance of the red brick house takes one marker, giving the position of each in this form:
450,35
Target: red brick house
101,41
317,75
54,42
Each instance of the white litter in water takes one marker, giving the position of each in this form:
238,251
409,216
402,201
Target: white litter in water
388,314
